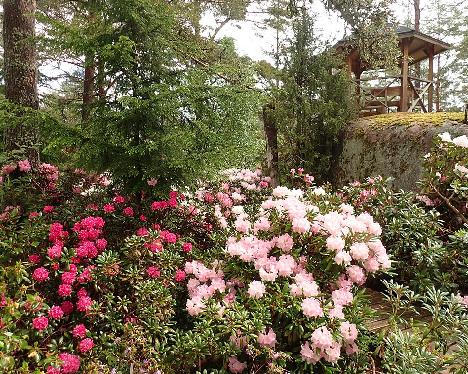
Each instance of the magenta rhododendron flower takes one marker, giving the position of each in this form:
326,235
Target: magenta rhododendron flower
70,363
40,323
55,312
79,331
128,211
119,199
64,290
153,272
84,304
85,345
179,276
187,247
34,258
48,209
40,274
67,307
108,208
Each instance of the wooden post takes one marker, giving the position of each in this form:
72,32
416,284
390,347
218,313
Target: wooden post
430,77
404,77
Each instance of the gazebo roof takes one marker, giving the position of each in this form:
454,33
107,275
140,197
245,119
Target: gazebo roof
418,43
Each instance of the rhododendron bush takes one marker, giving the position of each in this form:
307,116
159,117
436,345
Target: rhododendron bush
233,276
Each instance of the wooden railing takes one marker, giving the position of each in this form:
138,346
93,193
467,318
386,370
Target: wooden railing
387,96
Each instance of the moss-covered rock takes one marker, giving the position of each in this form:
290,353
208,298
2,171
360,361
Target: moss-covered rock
392,145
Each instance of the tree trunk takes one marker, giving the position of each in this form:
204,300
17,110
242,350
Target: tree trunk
20,69
88,87
271,134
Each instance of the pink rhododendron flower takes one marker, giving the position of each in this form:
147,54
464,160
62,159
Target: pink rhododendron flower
335,243
68,277
348,331
53,370
284,242
118,199
40,274
268,339
142,231
79,331
70,363
356,274
179,276
48,209
153,272
85,345
24,166
67,307
33,215
40,323
55,312
152,182
64,290
108,208
34,258
55,251
256,289
128,211
322,338
84,304
311,307
187,247
235,366
359,251
310,354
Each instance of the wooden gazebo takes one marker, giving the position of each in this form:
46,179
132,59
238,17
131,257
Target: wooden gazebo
402,93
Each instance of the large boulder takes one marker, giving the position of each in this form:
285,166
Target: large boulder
392,145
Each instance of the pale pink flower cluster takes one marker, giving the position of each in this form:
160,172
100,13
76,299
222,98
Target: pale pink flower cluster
203,286
267,339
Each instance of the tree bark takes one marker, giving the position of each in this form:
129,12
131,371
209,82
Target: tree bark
20,69
271,135
88,87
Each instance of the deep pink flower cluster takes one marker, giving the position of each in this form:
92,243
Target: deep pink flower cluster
51,175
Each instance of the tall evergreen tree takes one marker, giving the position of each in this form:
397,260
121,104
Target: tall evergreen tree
20,72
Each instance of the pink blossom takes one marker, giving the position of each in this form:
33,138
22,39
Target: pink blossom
268,339
152,182
33,215
348,331
187,247
235,366
48,209
179,276
342,297
153,272
68,277
284,242
24,166
256,289
309,354
70,363
101,244
108,208
195,306
311,307
119,199
55,251
85,345
52,370
84,304
335,243
34,258
55,312
356,274
128,211
300,225
40,323
359,251
79,331
40,274
67,307
322,338
64,290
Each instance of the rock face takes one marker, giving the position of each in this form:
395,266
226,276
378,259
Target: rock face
392,145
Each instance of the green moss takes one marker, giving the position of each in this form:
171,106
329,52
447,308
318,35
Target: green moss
407,119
